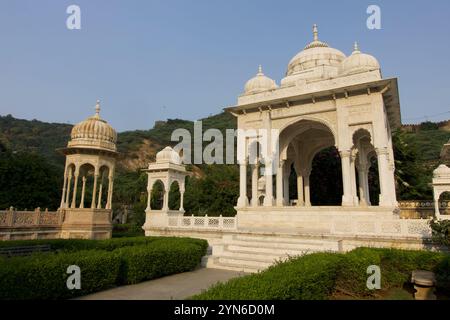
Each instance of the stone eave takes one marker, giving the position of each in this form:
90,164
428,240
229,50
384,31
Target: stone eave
163,167
388,87
84,150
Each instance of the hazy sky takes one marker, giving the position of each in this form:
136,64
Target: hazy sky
152,60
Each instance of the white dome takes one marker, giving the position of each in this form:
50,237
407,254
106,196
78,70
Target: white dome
312,60
315,57
441,171
359,62
93,132
259,83
168,155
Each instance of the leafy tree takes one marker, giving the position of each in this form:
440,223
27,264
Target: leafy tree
27,180
411,176
215,193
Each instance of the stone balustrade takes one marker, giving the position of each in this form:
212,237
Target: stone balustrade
405,228
421,209
203,222
12,218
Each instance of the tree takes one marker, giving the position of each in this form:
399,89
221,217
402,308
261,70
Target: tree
27,180
411,178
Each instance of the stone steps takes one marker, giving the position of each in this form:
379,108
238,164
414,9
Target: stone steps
253,253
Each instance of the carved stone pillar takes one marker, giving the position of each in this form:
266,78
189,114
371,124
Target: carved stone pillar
279,181
255,177
243,200
347,198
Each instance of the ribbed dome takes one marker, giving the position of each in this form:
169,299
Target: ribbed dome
359,62
315,54
259,83
168,155
93,132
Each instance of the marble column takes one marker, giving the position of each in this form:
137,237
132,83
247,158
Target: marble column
366,185
100,193
69,185
347,198
75,187
307,190
383,171
243,200
94,191
149,198
268,198
362,191
286,176
83,189
110,191
255,177
165,199
300,194
181,200
279,182
63,196
353,180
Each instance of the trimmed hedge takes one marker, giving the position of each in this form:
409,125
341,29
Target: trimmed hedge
69,245
43,275
306,278
161,258
318,275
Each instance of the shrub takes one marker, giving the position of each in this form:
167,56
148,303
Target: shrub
80,244
161,258
309,277
317,275
441,231
43,276
108,263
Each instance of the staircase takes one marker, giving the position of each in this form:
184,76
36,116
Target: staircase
253,253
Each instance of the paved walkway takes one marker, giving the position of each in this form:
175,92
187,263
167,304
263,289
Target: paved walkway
177,287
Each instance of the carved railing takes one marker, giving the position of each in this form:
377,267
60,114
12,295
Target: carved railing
415,228
421,209
203,222
13,218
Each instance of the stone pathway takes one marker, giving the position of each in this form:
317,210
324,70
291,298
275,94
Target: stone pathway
177,287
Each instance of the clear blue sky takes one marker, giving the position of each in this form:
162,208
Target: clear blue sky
152,60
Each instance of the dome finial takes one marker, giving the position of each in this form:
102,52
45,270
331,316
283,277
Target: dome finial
97,108
356,47
315,32
260,72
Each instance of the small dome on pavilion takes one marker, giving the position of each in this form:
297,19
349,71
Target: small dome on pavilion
441,171
259,83
168,155
359,62
94,133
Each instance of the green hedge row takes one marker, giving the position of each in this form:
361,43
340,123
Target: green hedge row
80,244
309,277
318,275
43,276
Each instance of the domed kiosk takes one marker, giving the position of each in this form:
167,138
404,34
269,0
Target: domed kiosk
86,200
167,170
